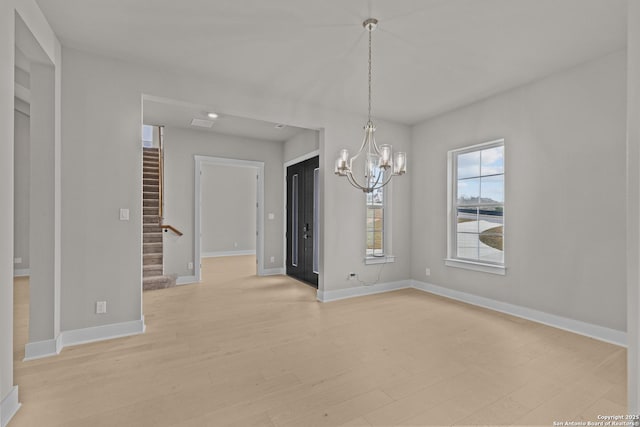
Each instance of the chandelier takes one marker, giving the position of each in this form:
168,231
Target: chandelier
380,163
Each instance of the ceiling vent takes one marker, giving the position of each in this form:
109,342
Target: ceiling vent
202,123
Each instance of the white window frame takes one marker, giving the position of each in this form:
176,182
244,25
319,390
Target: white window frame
452,178
387,256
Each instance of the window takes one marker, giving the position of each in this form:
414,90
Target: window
147,136
476,207
378,225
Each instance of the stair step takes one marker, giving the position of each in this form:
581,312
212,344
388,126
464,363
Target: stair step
150,219
150,170
158,282
151,175
150,203
151,238
152,259
150,195
154,188
150,211
149,228
149,149
148,269
152,248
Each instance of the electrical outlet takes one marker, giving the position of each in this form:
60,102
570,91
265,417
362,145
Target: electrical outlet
427,271
190,266
17,260
272,259
101,307
124,214
352,276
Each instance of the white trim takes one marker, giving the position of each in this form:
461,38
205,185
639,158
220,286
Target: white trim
21,272
40,349
102,333
576,326
452,178
358,291
197,238
302,158
590,330
476,266
371,260
53,347
227,253
272,271
286,164
9,406
186,280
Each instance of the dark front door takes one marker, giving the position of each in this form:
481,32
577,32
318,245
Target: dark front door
302,211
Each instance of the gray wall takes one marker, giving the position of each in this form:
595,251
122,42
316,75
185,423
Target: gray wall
41,204
228,206
300,144
633,207
101,172
565,193
21,192
181,145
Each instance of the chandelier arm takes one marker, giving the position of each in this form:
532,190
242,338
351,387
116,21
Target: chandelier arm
364,144
353,182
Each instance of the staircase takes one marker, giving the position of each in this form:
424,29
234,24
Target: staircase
152,256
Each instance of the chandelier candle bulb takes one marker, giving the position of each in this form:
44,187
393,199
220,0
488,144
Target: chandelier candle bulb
385,156
400,163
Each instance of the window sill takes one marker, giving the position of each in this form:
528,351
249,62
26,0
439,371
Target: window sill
476,266
371,260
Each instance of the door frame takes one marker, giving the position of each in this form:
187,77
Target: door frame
197,226
288,163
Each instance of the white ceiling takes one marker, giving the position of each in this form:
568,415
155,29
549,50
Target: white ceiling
430,56
179,114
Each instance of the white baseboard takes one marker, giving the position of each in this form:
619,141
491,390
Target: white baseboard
576,326
40,349
53,347
9,406
271,271
101,333
357,291
21,272
185,280
227,253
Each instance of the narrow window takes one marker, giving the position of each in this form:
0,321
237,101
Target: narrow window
376,220
294,225
316,221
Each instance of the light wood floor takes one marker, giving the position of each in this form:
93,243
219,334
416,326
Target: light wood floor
239,350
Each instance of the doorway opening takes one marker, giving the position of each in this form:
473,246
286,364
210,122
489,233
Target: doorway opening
37,226
228,210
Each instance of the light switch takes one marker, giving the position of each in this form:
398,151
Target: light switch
271,215
124,214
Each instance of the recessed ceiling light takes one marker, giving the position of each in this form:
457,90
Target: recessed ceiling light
280,126
212,115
